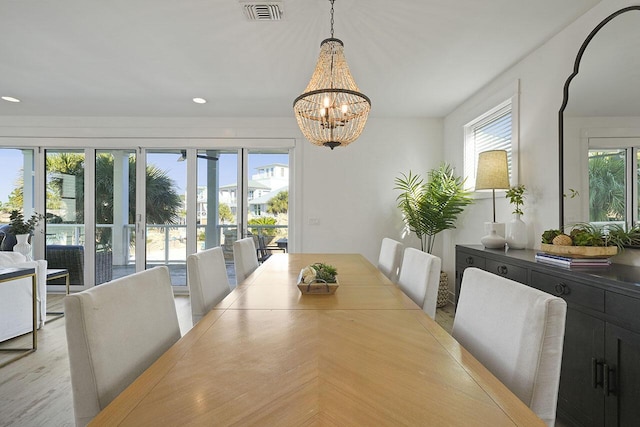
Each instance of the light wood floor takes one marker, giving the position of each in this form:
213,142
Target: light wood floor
36,390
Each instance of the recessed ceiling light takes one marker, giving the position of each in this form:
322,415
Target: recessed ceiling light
10,99
199,100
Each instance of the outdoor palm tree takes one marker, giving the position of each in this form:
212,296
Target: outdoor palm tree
278,203
162,201
606,186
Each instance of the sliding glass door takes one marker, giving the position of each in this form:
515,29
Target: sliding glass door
65,213
217,200
17,189
165,194
267,197
242,192
113,211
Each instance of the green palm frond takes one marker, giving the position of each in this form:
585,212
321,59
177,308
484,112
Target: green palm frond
434,206
410,201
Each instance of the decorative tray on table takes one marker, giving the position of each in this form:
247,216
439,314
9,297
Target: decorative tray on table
318,279
580,251
318,288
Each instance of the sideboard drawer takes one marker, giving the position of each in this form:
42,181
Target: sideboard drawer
573,292
467,260
510,271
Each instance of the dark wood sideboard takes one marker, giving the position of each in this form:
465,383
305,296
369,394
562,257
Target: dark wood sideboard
600,378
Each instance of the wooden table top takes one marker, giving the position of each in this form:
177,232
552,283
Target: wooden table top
267,355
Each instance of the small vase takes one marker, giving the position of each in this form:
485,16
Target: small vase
517,233
493,241
23,246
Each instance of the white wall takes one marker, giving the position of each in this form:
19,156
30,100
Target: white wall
542,75
348,190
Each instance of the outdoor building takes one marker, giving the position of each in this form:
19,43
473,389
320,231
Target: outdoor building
267,182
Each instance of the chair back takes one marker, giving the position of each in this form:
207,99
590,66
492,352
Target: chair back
115,331
516,332
207,280
245,258
420,278
390,258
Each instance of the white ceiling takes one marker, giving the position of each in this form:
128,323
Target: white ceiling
151,57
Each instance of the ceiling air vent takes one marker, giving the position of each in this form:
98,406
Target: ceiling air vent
262,11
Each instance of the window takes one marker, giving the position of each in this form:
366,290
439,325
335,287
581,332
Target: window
613,180
607,185
494,130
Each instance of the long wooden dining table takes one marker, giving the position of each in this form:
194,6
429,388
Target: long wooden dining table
269,356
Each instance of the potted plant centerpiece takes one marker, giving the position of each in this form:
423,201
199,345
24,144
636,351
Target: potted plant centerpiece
431,207
318,278
22,230
516,228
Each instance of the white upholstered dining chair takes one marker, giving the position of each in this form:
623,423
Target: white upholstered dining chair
390,258
207,280
515,331
115,331
420,278
245,258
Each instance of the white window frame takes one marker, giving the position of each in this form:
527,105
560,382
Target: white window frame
471,153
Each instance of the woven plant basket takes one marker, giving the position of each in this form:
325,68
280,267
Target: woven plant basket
443,290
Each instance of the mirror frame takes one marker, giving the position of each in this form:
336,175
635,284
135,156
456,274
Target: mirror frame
565,100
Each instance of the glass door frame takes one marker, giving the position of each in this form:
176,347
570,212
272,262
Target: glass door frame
90,145
244,148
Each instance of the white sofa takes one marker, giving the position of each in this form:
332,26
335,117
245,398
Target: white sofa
15,297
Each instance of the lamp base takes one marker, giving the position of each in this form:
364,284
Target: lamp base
493,241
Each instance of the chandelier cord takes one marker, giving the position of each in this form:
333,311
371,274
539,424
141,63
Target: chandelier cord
332,56
332,1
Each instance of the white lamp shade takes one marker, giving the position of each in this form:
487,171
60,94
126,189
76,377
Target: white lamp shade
493,170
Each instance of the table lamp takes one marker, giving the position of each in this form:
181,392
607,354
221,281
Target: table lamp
493,174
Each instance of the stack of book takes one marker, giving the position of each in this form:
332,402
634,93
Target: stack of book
565,261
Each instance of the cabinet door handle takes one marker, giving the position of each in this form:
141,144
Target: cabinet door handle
596,373
561,289
502,269
609,384
469,260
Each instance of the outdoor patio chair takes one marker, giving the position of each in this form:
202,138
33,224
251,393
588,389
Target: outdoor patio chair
264,251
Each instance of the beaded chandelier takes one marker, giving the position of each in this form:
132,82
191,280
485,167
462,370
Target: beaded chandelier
332,111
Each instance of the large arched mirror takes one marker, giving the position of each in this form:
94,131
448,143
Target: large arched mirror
600,126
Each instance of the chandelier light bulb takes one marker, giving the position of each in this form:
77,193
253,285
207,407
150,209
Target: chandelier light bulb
345,108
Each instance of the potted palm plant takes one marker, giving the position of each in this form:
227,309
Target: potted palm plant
431,207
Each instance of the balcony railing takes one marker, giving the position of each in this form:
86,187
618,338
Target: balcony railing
166,243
